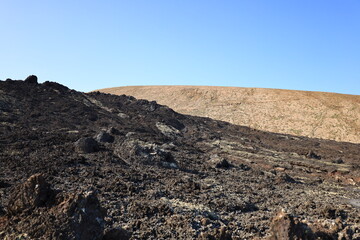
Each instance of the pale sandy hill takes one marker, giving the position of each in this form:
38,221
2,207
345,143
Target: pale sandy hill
313,114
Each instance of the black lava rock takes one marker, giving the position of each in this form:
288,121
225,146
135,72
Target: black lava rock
31,79
223,164
104,137
86,145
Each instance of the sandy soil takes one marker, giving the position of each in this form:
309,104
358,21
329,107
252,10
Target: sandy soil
312,114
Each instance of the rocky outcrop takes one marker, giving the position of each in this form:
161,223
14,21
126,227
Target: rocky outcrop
284,227
31,79
36,211
146,153
35,192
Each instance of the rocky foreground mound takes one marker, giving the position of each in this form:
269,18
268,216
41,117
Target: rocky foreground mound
313,114
100,166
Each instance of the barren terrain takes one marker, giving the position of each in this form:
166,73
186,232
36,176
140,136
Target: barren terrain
97,166
312,114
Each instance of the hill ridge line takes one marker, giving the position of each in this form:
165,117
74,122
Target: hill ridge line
334,116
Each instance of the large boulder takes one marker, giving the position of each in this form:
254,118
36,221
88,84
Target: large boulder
223,163
284,227
35,192
86,145
312,154
80,216
31,79
37,211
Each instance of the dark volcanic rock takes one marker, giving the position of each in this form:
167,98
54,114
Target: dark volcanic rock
117,234
113,130
104,137
223,163
40,215
4,106
285,228
312,154
157,178
331,212
175,124
4,184
86,145
338,161
31,79
146,153
2,211
81,217
35,192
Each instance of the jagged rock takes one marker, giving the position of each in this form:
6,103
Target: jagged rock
41,213
104,137
117,234
328,212
283,227
31,79
219,162
175,124
152,106
81,216
146,153
332,212
168,131
223,163
57,87
338,161
86,145
312,154
35,192
349,233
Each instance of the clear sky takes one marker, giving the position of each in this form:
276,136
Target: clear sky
86,45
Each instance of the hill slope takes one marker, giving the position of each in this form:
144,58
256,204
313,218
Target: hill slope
312,114
98,166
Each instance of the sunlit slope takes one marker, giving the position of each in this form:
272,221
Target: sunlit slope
313,114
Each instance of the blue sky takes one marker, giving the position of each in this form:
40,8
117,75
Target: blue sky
87,45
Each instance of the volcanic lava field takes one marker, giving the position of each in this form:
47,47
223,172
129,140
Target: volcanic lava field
79,165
